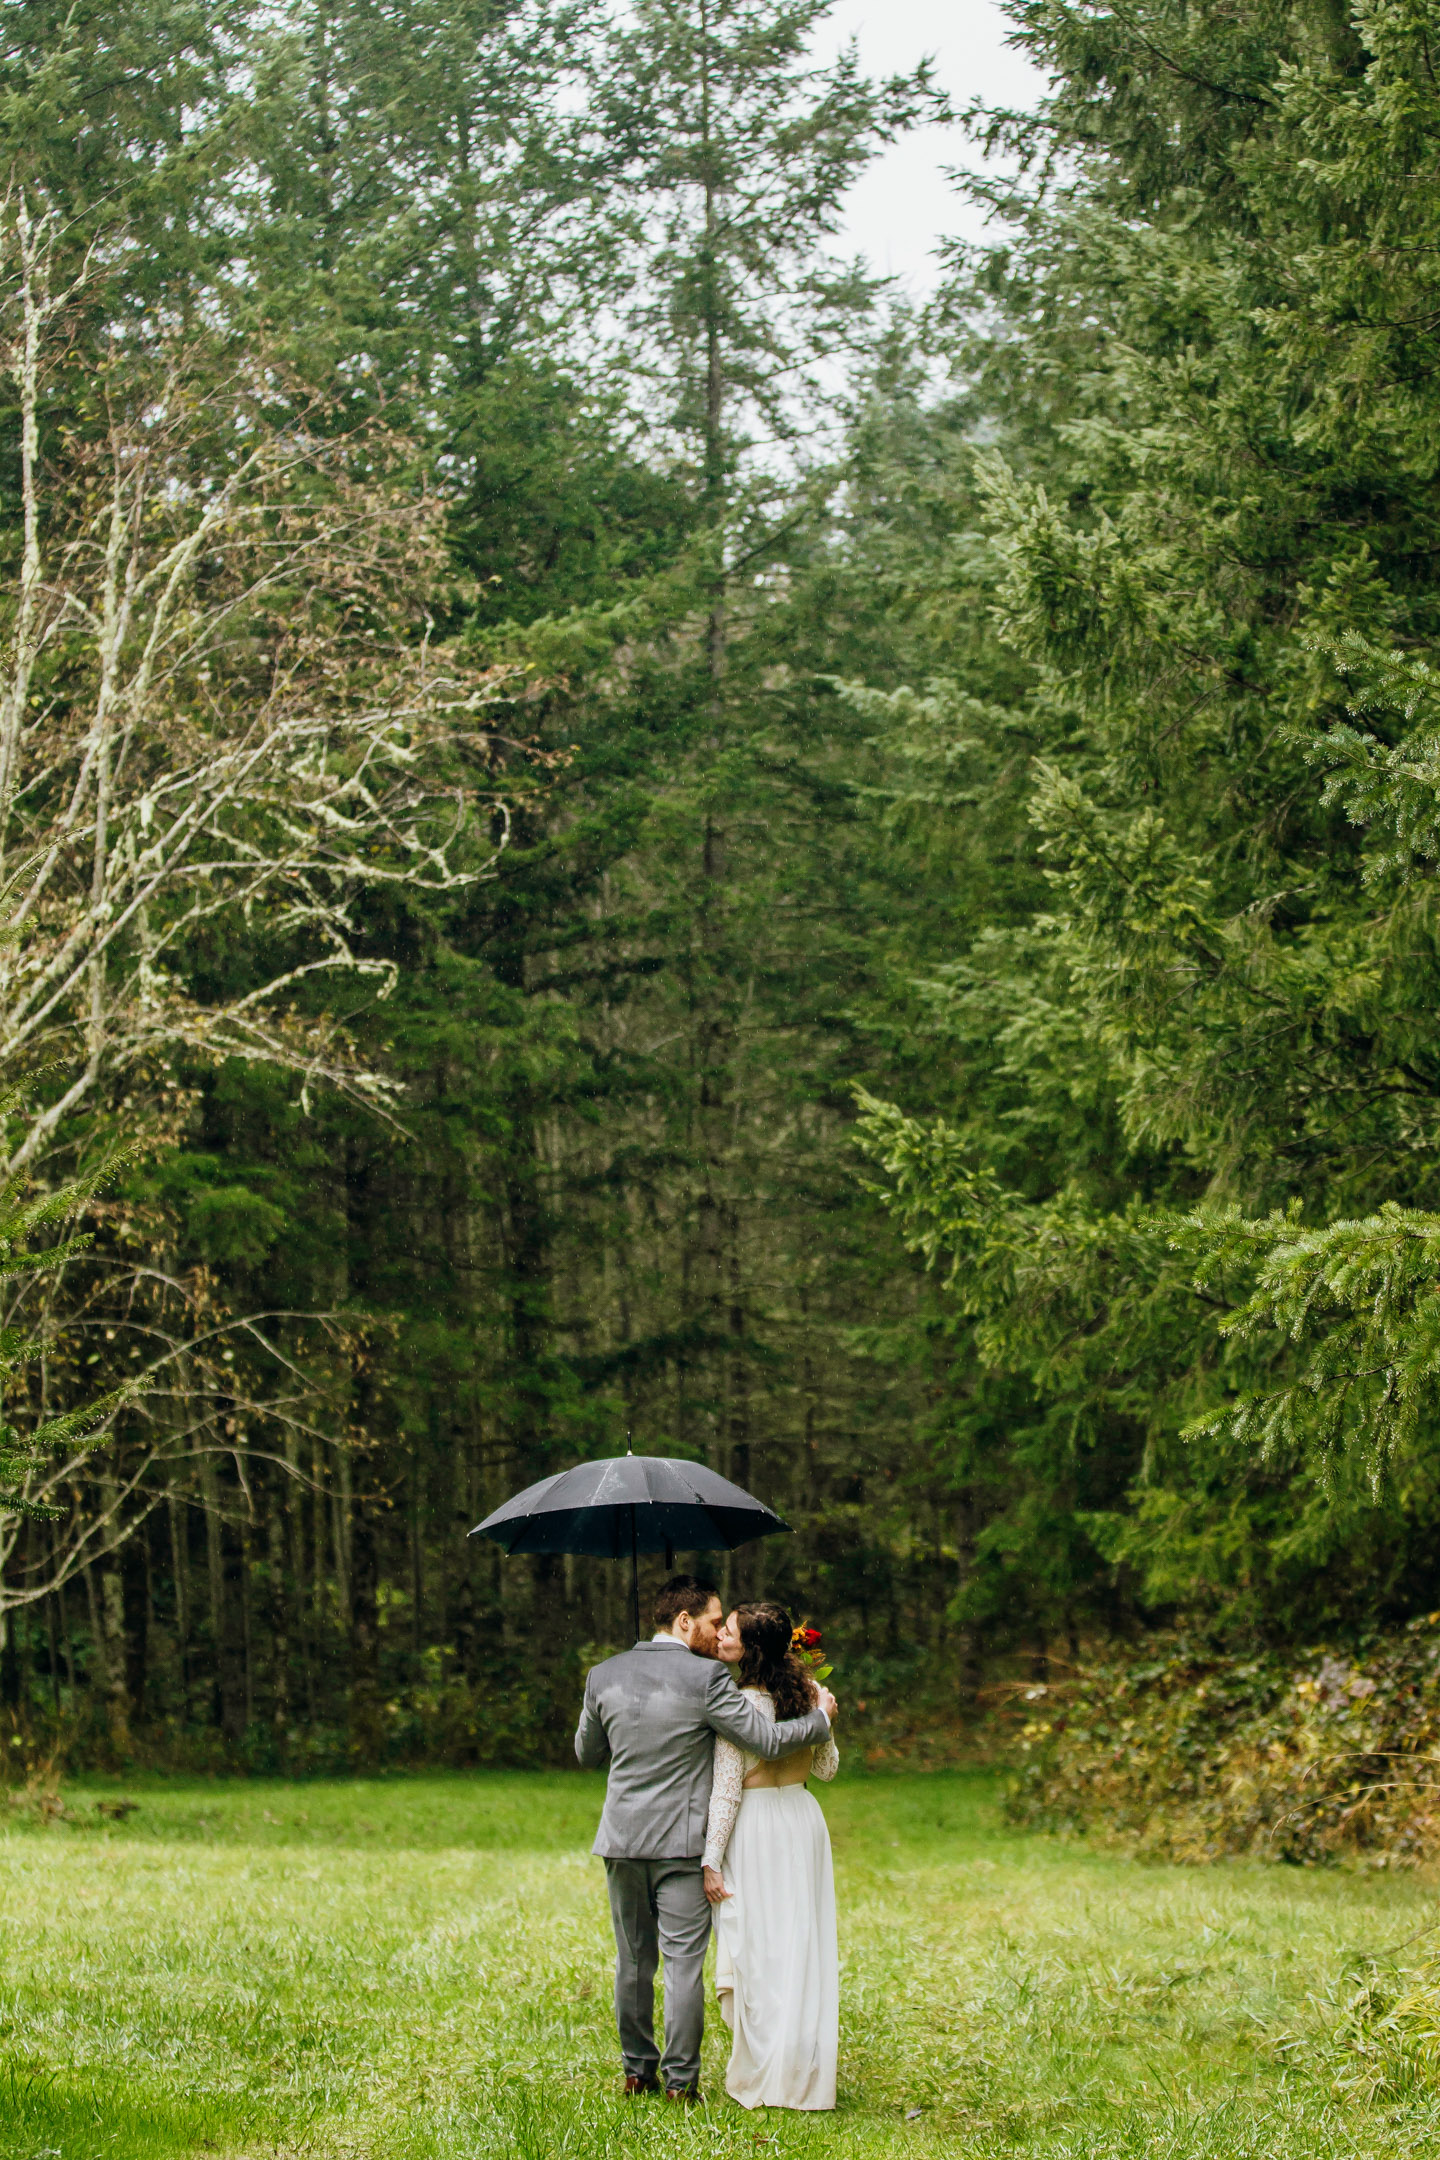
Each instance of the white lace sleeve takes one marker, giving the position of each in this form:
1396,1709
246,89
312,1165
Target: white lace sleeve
725,1786
825,1761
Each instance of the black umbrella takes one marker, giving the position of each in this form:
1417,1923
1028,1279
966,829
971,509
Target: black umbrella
630,1504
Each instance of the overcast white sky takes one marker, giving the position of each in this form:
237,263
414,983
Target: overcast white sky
904,205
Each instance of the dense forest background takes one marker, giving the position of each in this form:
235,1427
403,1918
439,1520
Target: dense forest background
636,840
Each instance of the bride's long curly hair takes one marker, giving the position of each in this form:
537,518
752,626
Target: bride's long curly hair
767,1660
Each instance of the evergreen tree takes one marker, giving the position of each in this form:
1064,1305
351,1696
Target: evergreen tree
1211,532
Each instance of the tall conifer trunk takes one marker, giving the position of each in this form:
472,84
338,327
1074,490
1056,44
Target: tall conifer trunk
177,1517
136,1608
110,1612
279,1602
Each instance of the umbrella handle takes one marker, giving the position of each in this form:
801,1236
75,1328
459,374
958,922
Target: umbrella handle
634,1575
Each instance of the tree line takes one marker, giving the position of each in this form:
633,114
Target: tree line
614,836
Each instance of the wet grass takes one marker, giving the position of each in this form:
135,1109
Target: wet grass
419,1969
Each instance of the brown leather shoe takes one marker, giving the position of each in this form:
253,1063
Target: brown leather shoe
634,2085
687,2095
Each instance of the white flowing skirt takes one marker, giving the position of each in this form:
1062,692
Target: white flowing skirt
777,1962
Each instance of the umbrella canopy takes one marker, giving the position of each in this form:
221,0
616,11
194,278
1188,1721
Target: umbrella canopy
626,1505
641,1503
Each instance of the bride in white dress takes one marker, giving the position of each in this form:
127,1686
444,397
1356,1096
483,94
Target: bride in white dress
769,1878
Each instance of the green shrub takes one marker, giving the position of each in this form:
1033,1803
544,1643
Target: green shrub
1183,1751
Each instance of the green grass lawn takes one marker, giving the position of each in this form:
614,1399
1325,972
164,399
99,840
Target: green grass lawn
416,1969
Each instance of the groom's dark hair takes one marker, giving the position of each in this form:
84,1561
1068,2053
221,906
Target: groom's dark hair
683,1593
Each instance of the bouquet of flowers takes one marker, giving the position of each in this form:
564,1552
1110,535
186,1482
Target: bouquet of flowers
806,1644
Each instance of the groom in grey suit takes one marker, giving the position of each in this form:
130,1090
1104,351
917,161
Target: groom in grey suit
654,1712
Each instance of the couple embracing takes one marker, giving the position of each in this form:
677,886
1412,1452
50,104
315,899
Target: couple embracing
707,1812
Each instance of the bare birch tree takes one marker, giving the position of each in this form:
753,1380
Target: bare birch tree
223,723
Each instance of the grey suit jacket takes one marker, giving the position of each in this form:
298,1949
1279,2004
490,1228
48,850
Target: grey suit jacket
655,1711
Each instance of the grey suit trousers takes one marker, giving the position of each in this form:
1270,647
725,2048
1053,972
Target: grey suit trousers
660,1910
